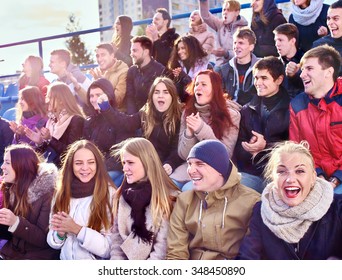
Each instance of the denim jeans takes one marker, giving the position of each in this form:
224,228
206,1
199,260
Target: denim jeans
254,182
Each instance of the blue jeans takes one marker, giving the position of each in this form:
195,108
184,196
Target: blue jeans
254,182
117,177
178,184
338,189
188,186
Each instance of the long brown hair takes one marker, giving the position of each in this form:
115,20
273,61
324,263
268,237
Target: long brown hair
25,163
35,101
101,204
123,40
259,17
171,117
220,116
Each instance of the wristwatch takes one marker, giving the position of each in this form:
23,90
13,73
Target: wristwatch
334,180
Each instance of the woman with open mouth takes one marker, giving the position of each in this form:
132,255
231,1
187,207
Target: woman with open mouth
158,121
207,115
299,217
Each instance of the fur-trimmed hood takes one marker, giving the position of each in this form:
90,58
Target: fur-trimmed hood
44,183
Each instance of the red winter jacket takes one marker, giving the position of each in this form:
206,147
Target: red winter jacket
319,121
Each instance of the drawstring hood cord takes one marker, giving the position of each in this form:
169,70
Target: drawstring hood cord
204,204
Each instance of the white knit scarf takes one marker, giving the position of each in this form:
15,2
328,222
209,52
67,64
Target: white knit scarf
308,15
291,223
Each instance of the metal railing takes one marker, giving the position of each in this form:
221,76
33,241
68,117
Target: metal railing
40,41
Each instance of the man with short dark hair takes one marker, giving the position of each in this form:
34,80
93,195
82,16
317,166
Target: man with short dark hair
264,121
113,70
334,22
162,36
286,42
237,76
316,113
141,74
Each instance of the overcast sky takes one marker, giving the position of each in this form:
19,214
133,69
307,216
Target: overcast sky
30,19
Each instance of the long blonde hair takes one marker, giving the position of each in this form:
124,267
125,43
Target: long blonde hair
163,189
172,116
101,204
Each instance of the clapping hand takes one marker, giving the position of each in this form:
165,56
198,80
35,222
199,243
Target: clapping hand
16,128
63,223
193,124
152,32
7,217
256,144
34,135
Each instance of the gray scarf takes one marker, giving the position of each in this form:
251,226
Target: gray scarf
308,15
291,223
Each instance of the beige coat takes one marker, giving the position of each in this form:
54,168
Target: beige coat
213,232
117,75
127,247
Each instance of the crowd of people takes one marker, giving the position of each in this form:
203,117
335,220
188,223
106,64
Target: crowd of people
161,153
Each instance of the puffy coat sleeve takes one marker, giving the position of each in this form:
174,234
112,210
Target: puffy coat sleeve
35,234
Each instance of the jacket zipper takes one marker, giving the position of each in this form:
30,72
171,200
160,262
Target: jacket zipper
335,123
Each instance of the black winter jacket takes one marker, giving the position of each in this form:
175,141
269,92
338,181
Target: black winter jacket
139,81
273,125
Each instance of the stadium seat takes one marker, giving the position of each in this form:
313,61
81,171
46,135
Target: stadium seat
10,114
12,90
6,103
2,89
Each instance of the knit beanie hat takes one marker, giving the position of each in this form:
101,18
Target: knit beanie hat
213,153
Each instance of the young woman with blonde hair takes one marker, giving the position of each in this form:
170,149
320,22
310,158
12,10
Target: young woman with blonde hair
64,126
142,205
299,217
81,209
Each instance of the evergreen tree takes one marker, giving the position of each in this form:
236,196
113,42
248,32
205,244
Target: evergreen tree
75,45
